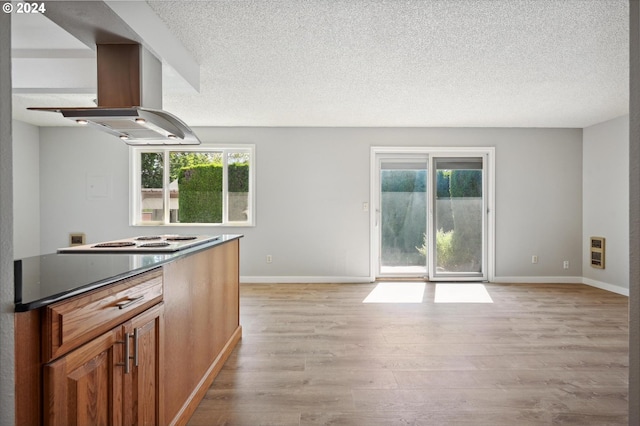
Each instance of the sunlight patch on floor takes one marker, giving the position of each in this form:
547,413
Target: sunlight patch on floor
462,293
396,292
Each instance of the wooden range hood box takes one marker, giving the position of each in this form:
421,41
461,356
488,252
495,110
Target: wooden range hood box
130,99
128,76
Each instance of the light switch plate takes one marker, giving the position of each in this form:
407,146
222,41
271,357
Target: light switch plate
98,186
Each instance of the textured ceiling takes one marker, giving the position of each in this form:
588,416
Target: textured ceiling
506,63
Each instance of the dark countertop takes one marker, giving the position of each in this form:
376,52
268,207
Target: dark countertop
42,280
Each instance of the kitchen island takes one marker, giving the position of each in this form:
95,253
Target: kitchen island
80,317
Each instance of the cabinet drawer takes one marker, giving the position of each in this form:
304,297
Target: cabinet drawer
73,322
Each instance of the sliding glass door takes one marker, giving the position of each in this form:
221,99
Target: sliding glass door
431,217
402,214
458,225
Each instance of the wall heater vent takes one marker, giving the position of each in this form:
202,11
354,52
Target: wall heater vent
597,252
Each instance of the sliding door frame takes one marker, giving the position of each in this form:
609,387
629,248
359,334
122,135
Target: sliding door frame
488,154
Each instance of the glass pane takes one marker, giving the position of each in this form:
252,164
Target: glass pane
238,189
151,200
459,213
195,187
403,220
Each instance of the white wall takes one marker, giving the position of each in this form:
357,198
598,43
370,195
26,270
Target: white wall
311,183
72,161
538,205
606,201
26,190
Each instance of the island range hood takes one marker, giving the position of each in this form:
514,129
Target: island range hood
130,100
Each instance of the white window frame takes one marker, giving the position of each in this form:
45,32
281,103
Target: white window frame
135,193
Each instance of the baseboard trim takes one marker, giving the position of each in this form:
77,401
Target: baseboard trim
564,280
538,280
301,279
606,286
516,280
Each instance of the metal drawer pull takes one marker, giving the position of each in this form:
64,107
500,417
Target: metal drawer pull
135,346
126,303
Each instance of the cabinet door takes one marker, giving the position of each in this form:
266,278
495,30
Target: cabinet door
85,386
142,393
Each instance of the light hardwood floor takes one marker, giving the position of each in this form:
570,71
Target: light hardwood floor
314,354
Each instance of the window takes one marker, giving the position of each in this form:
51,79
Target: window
205,185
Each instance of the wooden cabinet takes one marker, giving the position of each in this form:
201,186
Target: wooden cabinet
85,386
143,386
73,322
71,355
103,357
203,327
112,380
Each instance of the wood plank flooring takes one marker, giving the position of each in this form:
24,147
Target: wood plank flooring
314,354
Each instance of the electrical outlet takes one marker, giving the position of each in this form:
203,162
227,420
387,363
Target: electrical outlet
76,239
365,207
534,259
565,264
269,258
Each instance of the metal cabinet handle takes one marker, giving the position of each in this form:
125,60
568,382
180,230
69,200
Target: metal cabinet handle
126,357
126,303
135,346
127,368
